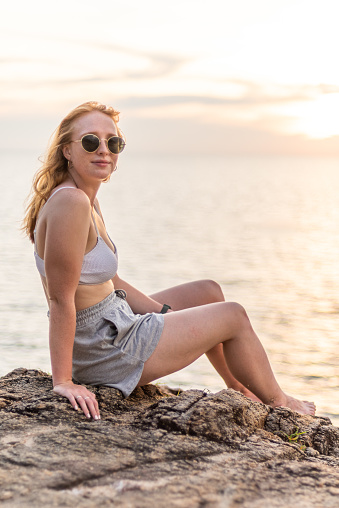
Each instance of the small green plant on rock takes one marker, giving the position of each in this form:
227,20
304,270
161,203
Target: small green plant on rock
293,438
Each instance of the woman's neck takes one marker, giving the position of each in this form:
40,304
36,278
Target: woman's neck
90,191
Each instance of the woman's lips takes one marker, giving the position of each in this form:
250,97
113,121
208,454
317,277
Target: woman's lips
101,162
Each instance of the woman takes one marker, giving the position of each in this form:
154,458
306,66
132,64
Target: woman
102,330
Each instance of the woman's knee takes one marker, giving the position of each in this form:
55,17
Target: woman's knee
212,291
235,313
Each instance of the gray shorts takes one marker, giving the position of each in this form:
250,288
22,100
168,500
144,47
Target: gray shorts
112,343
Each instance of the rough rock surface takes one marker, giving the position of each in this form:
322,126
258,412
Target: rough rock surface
163,449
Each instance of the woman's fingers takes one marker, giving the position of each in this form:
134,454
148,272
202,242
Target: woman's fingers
86,400
73,401
89,405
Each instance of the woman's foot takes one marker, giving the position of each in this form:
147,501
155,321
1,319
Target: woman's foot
303,407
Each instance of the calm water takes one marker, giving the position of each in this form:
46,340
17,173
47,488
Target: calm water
265,229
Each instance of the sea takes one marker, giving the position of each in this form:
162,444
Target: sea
265,228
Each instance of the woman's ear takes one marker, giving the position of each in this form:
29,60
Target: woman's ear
66,152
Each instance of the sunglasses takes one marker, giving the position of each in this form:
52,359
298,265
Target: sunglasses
90,143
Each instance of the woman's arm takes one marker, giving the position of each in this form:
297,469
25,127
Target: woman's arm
138,301
67,227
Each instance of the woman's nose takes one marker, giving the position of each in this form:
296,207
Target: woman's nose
103,146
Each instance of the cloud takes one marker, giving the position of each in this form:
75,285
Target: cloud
160,64
252,93
128,63
133,66
326,89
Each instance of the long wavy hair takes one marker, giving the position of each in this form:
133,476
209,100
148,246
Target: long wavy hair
54,169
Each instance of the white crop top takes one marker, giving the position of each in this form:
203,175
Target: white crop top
99,264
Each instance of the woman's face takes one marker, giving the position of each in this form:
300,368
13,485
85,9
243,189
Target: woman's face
97,165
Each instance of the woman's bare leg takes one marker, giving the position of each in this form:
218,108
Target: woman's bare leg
195,294
189,333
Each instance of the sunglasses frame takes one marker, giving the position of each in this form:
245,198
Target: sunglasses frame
107,140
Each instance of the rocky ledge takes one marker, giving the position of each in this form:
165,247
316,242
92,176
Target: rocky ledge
159,448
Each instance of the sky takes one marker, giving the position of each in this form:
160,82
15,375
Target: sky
244,77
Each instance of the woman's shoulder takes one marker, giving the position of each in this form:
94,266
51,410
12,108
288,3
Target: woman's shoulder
65,202
66,198
68,193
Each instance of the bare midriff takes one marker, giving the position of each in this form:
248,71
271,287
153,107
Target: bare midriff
87,295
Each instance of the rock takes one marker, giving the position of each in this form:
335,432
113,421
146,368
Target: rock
160,448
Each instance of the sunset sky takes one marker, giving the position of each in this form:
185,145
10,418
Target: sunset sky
224,77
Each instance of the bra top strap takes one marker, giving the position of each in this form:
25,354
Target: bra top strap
95,224
60,188
99,213
101,217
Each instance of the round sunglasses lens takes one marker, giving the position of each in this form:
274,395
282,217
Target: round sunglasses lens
90,143
116,144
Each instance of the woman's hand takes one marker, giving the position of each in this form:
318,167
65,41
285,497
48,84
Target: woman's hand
78,395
